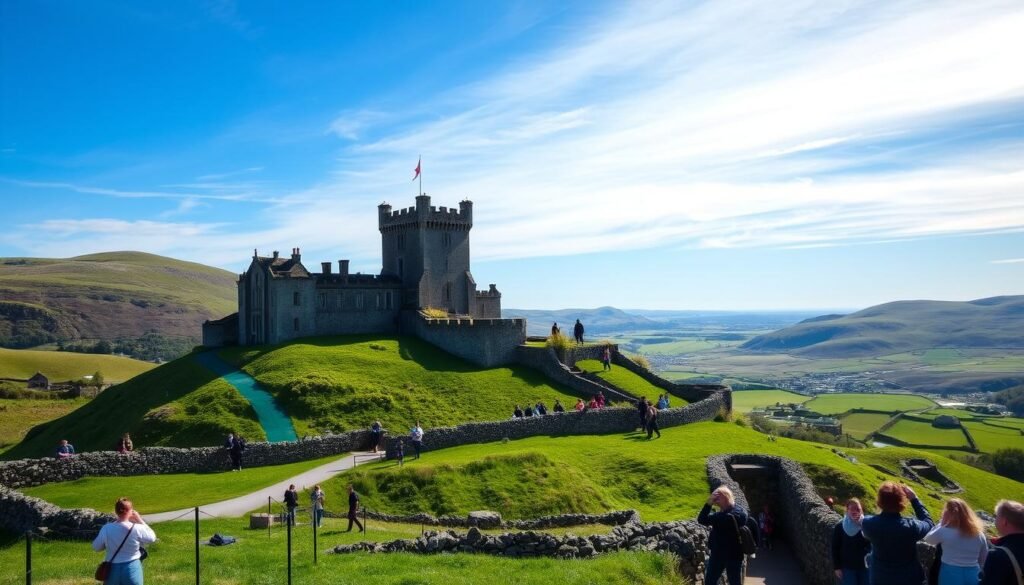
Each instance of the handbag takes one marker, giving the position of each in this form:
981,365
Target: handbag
747,543
103,571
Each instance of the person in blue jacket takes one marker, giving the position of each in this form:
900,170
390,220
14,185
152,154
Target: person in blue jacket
894,537
725,552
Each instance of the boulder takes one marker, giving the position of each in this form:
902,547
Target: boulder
484,519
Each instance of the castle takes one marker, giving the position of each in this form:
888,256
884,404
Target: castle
425,264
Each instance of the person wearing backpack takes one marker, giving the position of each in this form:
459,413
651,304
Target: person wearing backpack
123,540
726,542
1005,562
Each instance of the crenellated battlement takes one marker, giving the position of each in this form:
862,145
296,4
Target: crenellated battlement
425,214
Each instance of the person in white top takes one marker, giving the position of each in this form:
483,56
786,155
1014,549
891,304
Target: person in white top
416,436
123,540
964,546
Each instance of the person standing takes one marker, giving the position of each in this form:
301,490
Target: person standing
353,510
554,330
400,452
291,502
964,548
849,547
606,357
652,422
235,449
125,444
65,450
123,540
725,552
641,408
577,332
376,433
766,526
1003,562
894,538
317,504
416,437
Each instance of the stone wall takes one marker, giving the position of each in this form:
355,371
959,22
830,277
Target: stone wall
615,518
688,392
544,360
484,342
20,514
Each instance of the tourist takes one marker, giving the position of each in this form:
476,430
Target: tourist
600,399
65,449
528,411
554,330
416,437
579,405
517,412
558,406
376,434
316,499
606,357
725,552
964,548
353,510
400,452
540,409
592,405
125,444
641,409
766,526
652,422
849,547
894,537
663,402
235,446
1009,547
291,502
577,332
124,540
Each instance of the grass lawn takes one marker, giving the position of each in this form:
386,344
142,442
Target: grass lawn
627,380
747,400
61,366
839,403
17,416
343,383
665,479
259,559
162,493
683,346
861,424
991,438
922,433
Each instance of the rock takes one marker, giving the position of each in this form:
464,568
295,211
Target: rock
484,519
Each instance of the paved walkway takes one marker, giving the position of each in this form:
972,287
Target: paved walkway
775,567
276,424
241,505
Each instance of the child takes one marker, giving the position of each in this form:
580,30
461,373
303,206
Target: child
400,452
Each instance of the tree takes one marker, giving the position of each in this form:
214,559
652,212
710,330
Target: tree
1009,463
97,379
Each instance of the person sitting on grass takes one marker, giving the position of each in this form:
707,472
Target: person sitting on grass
65,450
579,405
540,409
125,444
558,406
663,402
528,411
592,405
600,399
517,412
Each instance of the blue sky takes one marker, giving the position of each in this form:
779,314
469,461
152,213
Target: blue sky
677,155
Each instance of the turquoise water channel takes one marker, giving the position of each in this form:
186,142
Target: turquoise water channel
276,424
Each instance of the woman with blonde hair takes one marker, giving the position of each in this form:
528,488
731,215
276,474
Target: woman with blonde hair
964,547
725,552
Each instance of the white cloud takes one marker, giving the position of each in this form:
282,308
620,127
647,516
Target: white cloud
1008,261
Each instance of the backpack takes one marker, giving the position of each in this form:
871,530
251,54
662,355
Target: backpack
747,543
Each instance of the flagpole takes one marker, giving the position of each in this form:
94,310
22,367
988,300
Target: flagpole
421,173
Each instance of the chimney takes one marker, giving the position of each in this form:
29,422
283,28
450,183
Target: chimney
493,290
276,254
296,256
325,267
343,268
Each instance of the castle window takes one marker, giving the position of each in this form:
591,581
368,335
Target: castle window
401,241
341,299
446,239
295,298
359,300
448,292
388,302
401,268
379,302
295,323
323,300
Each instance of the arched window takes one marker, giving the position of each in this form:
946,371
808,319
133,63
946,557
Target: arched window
295,298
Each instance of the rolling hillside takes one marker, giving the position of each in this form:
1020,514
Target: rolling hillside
111,296
62,366
902,326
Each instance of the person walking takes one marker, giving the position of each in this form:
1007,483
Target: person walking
577,332
964,548
416,438
317,504
1006,561
766,526
849,547
353,510
291,502
641,409
652,422
124,540
125,444
894,538
725,552
606,357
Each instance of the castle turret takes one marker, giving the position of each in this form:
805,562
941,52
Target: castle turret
383,213
466,211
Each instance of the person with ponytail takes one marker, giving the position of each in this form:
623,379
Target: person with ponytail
849,547
964,548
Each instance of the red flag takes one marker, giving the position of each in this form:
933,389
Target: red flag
417,169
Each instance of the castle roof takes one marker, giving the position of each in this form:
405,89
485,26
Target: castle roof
283,267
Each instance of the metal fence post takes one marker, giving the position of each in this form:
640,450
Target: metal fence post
28,558
197,545
314,542
269,514
289,553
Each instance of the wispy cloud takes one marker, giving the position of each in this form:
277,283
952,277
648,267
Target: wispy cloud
221,176
1008,261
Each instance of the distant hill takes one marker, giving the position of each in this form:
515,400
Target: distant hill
62,366
901,326
157,303
596,321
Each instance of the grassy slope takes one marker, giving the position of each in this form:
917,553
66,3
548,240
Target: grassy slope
663,479
61,366
747,400
113,295
991,438
18,416
160,493
626,380
186,404
837,403
342,383
922,433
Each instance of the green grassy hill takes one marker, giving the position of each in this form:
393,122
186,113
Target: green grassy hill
109,296
903,326
61,366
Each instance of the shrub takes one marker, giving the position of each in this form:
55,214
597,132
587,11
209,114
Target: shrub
642,361
560,343
432,313
723,415
1009,463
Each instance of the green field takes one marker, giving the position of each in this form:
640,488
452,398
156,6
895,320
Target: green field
839,403
61,366
991,438
162,493
861,424
747,400
626,380
922,433
20,415
342,383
